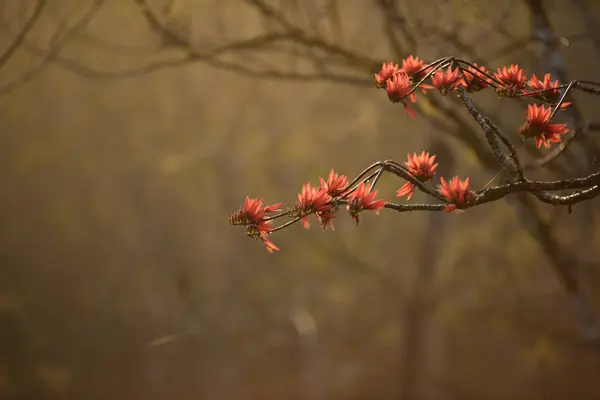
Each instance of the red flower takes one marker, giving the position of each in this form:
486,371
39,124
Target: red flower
253,215
474,79
445,82
456,192
513,80
363,199
326,217
398,87
311,200
387,72
421,166
415,68
551,96
335,184
538,126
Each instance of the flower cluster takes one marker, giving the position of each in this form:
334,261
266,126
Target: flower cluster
545,90
538,126
475,78
512,80
363,199
456,192
401,83
323,200
254,216
422,167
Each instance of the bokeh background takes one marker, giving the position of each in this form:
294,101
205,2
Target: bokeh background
131,129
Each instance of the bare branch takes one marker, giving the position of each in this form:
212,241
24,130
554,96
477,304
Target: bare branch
52,54
20,37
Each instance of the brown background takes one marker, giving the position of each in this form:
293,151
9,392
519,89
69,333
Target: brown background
121,279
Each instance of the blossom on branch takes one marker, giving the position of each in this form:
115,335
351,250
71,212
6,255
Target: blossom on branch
398,87
415,68
538,126
421,166
253,215
513,79
363,199
387,72
446,81
456,192
312,200
335,184
400,84
474,79
326,217
550,90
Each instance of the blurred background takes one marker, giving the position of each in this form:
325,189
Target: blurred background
131,129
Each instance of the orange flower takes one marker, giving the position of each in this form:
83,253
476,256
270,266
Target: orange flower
551,96
513,79
253,215
311,200
326,217
456,192
415,68
363,199
474,80
421,166
445,82
335,183
398,87
387,72
538,125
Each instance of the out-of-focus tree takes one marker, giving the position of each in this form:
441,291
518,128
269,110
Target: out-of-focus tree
311,326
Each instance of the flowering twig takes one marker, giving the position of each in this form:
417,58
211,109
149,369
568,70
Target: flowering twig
446,75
